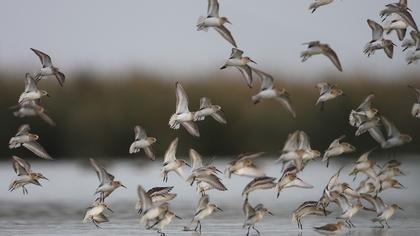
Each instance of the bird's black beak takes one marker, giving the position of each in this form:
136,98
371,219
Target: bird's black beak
269,212
123,186
218,208
178,217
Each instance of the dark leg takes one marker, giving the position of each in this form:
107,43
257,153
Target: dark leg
96,224
247,234
256,230
199,229
386,222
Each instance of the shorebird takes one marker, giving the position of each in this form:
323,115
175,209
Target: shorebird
28,140
107,183
208,109
142,141
240,62
205,176
395,138
412,57
363,164
308,208
383,212
268,91
151,212
171,163
298,149
33,108
316,48
337,148
414,41
161,223
25,175
318,3
158,195
244,166
348,209
415,110
204,209
398,24
48,68
182,115
327,92
289,180
331,228
402,11
331,185
366,187
259,183
96,214
378,42
253,215
31,93
390,183
213,20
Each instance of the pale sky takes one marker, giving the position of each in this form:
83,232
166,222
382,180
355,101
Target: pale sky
160,35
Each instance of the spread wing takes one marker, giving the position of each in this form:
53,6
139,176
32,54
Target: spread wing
37,149
285,100
248,209
103,176
246,72
205,102
336,142
191,127
20,166
377,30
332,56
323,87
170,153
391,129
45,59
23,129
181,99
236,53
146,201
139,132
226,34
267,81
213,8
292,142
367,103
196,159
30,84
203,202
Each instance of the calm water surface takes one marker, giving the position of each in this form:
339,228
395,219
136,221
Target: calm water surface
59,206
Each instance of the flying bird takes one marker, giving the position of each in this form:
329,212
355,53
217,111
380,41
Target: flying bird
48,68
213,20
316,48
240,62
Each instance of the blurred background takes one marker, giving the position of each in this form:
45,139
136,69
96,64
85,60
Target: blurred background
122,60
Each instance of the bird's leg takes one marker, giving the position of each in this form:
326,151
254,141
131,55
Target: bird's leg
196,227
96,224
247,234
199,229
328,162
256,230
382,225
386,222
352,224
25,190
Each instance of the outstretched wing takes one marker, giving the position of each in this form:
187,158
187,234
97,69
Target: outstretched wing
330,53
213,8
139,133
377,30
45,59
171,151
181,99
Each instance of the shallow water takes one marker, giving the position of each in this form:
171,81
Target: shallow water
59,206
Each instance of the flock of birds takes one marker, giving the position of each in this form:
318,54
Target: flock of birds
154,204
